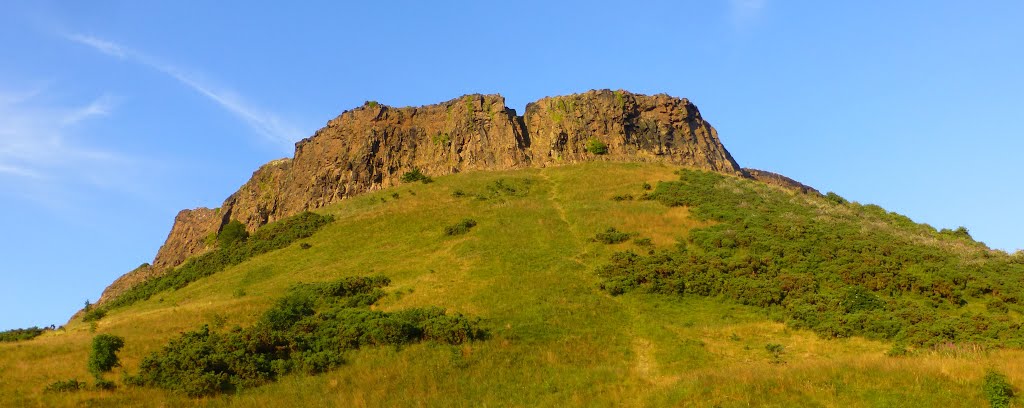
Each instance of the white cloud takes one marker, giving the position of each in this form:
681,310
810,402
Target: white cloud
42,154
105,47
265,123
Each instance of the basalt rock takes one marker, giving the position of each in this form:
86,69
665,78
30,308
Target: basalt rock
370,147
776,179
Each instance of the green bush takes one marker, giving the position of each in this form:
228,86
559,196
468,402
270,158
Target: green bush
103,356
65,386
308,330
21,334
997,390
460,228
598,147
416,175
268,238
862,271
611,236
232,233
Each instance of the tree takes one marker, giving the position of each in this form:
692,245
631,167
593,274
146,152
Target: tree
103,357
232,233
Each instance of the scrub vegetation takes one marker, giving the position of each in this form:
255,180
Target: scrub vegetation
726,293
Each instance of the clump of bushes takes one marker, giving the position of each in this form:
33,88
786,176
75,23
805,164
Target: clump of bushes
308,330
21,334
232,251
622,197
612,236
70,385
415,175
460,228
598,147
862,271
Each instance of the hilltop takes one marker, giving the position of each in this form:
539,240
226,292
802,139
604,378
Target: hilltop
603,249
370,147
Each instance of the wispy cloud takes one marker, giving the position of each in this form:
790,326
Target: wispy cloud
745,12
42,153
265,123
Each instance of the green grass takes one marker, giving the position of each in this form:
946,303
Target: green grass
527,269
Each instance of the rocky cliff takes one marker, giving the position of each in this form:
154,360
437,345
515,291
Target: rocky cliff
370,147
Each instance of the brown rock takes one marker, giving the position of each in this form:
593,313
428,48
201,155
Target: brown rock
370,147
776,179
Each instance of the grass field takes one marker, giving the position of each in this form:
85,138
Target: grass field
527,269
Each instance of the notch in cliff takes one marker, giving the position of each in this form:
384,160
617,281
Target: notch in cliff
369,147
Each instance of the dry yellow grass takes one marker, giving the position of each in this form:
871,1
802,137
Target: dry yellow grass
527,270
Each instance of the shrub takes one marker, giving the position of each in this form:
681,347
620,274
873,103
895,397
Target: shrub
997,390
598,147
416,175
460,228
775,350
65,386
21,334
268,238
232,233
611,236
305,245
308,330
646,186
94,314
622,197
859,272
835,198
103,356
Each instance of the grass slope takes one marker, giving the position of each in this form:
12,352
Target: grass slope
527,268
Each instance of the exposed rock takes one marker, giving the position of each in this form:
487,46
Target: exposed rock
776,179
633,127
188,237
370,147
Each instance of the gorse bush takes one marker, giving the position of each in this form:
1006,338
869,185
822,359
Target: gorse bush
21,334
595,146
308,330
65,386
460,228
270,237
838,268
612,236
232,233
416,175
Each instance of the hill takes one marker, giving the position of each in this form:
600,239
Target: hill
583,280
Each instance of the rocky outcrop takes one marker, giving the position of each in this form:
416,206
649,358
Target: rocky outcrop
370,147
633,127
776,179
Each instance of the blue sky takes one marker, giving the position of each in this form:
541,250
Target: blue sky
114,115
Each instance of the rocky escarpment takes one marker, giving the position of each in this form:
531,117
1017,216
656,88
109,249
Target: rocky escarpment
370,147
776,179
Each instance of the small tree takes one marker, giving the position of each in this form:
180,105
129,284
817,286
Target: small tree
232,233
103,356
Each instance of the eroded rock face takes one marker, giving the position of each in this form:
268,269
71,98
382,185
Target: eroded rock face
370,147
633,127
776,179
188,237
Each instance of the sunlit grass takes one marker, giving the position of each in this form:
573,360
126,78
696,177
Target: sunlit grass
527,269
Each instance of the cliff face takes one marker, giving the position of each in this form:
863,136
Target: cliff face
370,147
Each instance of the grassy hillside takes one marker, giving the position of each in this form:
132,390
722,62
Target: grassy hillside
533,272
